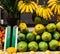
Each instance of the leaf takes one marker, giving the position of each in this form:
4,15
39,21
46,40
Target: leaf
10,6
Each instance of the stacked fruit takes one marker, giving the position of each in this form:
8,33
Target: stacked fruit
44,11
27,7
2,34
55,6
10,50
41,38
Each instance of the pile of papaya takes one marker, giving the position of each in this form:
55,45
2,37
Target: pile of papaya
40,38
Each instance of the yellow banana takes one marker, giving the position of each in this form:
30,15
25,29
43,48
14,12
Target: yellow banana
21,6
34,4
37,11
30,8
56,8
52,8
51,4
51,1
41,12
50,12
44,14
27,9
23,9
20,3
33,7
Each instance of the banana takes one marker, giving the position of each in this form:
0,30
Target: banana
27,9
41,12
21,6
50,12
20,3
23,9
56,8
34,4
30,8
44,14
37,11
52,8
51,1
33,7
51,4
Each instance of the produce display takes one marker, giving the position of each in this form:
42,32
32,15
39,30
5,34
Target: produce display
2,36
42,38
10,50
26,7
44,11
55,6
18,38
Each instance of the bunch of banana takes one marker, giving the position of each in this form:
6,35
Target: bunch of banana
27,7
55,6
44,12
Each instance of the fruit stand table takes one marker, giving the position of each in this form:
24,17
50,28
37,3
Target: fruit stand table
35,53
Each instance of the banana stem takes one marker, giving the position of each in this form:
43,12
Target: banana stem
44,3
27,1
58,2
37,1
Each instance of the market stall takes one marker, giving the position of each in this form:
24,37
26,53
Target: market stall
30,27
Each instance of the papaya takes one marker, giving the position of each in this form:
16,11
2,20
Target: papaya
51,27
43,46
56,35
58,26
53,44
59,46
38,37
25,31
46,36
22,25
21,37
37,20
39,28
22,46
33,46
30,36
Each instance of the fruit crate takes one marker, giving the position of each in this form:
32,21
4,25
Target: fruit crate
4,37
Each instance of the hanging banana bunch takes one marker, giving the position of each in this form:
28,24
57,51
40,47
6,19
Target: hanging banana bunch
55,6
27,7
44,12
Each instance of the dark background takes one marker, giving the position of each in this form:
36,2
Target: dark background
28,18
